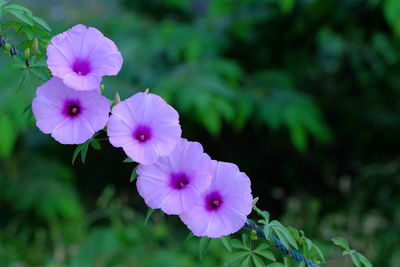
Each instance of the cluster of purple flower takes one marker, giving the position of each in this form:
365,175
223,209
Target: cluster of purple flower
175,175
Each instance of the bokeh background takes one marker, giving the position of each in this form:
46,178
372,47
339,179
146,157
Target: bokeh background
304,95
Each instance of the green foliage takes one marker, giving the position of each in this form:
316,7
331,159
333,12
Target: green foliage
289,71
82,149
357,258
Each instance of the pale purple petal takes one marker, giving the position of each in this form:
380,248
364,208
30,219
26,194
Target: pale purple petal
81,56
145,126
71,117
175,183
223,208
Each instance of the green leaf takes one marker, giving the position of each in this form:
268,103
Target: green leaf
275,264
245,241
18,8
148,215
3,3
134,174
236,258
23,79
203,246
237,244
283,233
262,251
127,160
27,110
311,245
189,236
76,152
246,262
258,262
226,241
95,144
42,23
356,259
22,16
262,213
41,73
341,242
287,262
364,260
84,150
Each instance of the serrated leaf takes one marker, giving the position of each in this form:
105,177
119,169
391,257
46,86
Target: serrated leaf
148,215
42,23
203,246
236,258
364,260
226,241
133,175
341,242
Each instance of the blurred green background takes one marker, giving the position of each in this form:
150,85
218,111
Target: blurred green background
304,95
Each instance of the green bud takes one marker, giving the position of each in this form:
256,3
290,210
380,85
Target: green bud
35,46
7,47
117,98
27,53
102,87
253,235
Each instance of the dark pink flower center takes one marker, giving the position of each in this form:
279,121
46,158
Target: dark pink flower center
72,108
142,133
213,201
81,67
179,180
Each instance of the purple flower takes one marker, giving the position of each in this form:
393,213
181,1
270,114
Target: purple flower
175,183
145,126
81,56
71,117
223,208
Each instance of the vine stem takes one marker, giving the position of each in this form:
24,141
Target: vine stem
276,242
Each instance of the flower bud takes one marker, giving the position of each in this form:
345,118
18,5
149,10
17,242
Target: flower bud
7,47
117,98
27,53
35,46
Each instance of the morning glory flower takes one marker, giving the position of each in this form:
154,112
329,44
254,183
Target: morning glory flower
223,208
145,126
174,183
70,116
81,56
